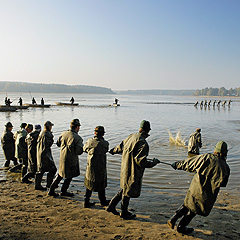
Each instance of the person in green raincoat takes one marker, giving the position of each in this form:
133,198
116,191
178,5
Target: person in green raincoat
96,172
134,150
71,145
211,173
45,162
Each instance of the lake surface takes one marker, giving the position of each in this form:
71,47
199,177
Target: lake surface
166,113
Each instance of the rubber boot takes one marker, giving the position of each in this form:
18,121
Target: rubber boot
26,177
15,162
113,203
87,203
50,177
182,226
124,206
54,186
7,163
179,213
15,168
102,197
38,180
24,167
65,187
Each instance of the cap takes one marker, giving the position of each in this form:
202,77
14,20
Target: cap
99,129
37,127
75,122
221,147
198,130
8,124
48,124
23,125
145,125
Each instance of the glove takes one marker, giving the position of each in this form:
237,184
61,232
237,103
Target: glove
156,161
112,151
174,165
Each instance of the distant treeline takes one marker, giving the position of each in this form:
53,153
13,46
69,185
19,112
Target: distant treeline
218,92
158,92
51,88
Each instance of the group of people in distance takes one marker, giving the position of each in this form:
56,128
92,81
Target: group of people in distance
33,149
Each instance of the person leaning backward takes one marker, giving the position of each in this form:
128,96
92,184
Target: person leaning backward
71,145
212,172
8,145
45,162
134,151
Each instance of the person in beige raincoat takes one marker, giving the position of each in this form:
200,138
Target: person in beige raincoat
71,145
96,172
211,173
134,150
195,142
45,162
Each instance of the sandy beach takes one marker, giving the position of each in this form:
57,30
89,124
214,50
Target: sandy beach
30,214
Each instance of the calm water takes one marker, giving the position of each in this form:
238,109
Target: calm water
166,113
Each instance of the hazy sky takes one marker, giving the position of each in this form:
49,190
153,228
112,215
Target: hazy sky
121,44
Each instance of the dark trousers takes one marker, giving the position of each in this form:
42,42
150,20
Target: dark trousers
101,195
65,185
117,198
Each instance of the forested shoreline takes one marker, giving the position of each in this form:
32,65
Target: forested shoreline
51,88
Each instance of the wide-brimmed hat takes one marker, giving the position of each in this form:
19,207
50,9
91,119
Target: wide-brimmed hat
8,124
75,122
48,124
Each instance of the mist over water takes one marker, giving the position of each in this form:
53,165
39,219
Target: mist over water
173,119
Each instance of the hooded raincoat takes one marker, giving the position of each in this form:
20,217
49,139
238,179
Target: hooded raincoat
31,141
21,145
71,146
211,173
134,151
8,145
96,172
195,142
45,162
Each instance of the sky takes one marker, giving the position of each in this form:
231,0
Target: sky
121,44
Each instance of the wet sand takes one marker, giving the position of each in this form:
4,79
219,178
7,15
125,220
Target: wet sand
30,214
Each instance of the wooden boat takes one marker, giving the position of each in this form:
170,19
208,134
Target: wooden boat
20,107
37,105
66,104
4,108
116,104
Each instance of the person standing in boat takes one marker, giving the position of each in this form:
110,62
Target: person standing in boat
45,162
42,102
116,101
34,101
8,145
8,102
71,145
72,100
20,101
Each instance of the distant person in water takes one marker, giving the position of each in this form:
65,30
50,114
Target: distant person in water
20,101
42,101
72,100
195,142
34,101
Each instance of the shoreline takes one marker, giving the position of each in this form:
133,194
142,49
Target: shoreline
31,214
